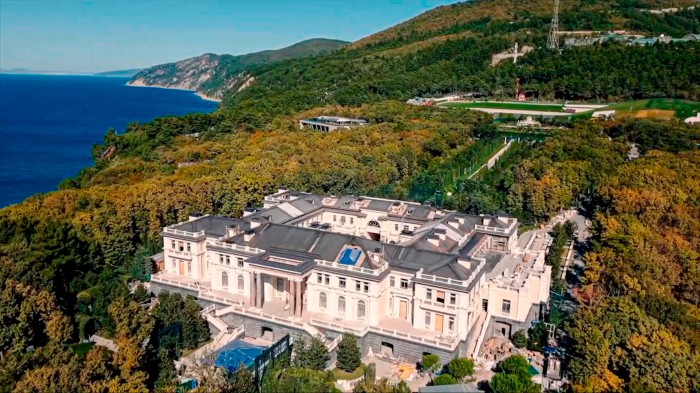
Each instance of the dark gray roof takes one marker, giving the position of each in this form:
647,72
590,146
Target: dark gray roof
211,225
456,388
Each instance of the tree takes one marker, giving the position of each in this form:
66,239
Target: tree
445,379
513,376
316,354
460,368
430,362
241,381
520,339
348,353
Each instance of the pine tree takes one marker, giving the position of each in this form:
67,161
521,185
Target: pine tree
348,353
317,354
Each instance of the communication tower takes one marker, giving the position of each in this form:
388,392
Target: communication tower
553,38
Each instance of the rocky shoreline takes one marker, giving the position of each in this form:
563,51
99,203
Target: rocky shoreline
139,83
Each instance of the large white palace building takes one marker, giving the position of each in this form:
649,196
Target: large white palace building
407,279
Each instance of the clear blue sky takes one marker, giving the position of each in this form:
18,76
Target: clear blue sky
101,35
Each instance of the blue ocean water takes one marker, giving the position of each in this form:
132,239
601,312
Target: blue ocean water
48,124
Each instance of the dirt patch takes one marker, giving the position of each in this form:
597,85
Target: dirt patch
655,114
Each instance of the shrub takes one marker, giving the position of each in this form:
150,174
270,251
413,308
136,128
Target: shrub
520,339
460,367
445,379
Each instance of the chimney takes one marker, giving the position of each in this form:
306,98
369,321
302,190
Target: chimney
233,230
194,216
248,236
467,264
486,221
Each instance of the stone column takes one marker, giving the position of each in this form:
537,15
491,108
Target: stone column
259,288
291,296
297,302
252,301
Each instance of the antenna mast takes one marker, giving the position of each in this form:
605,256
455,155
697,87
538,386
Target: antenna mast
553,39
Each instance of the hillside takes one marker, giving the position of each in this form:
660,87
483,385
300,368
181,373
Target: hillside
211,74
449,50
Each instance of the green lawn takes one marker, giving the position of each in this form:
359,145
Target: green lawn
506,105
683,108
81,349
340,374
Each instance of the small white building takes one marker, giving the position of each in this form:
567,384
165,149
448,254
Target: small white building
330,123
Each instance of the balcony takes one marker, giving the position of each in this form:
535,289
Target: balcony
182,233
491,229
179,254
402,329
336,265
437,306
236,247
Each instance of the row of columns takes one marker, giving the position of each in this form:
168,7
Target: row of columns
295,288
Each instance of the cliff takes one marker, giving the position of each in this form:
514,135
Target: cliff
211,75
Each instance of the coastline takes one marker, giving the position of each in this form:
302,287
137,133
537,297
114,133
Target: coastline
200,95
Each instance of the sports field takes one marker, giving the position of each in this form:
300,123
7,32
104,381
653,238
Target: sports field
654,108
521,106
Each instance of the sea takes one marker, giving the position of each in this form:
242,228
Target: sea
49,123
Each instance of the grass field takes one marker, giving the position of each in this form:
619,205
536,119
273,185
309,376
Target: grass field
81,349
654,108
521,106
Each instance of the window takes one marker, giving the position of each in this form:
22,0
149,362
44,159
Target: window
322,299
429,294
241,283
221,259
189,266
392,281
341,305
391,306
172,244
240,262
405,228
428,317
342,220
224,279
361,309
440,298
358,286
319,278
352,221
174,265
334,218
341,282
506,307
228,260
327,279
485,304
188,247
180,247
451,324
453,299
396,227
404,283
280,284
366,287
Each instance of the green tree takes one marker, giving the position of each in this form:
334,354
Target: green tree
445,379
513,376
317,354
461,368
348,353
520,339
430,362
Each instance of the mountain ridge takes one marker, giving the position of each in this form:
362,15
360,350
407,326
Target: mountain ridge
210,74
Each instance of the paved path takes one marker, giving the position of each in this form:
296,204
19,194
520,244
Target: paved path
104,342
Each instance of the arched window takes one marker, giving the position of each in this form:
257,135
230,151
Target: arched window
224,279
341,305
373,224
361,309
322,300
241,284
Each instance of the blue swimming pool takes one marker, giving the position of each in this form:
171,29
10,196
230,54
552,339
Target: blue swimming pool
350,256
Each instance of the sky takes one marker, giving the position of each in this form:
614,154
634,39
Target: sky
105,35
